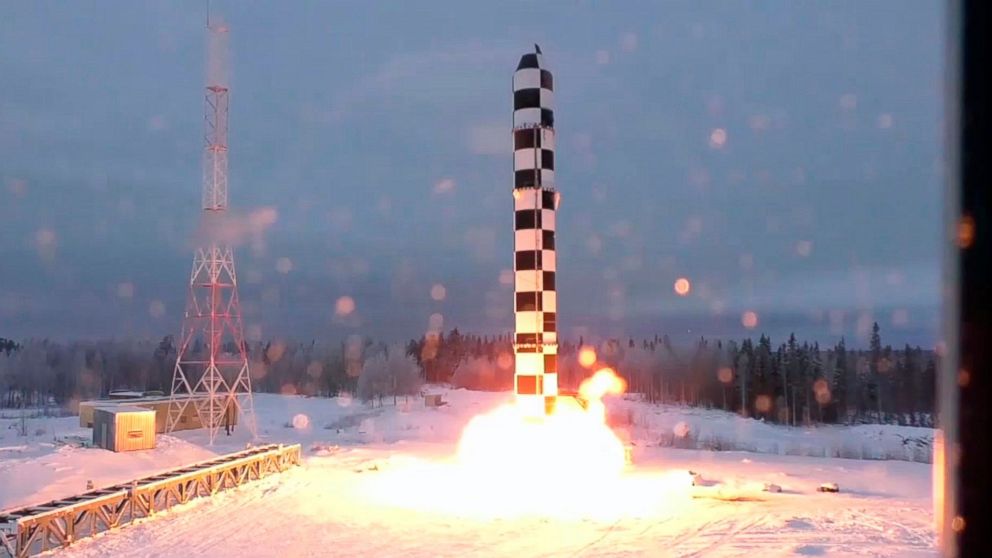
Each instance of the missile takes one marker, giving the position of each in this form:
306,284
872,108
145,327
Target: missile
535,203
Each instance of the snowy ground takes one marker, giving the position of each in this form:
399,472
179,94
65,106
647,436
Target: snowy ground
719,430
335,504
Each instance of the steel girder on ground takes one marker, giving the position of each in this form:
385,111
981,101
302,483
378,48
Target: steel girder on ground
30,530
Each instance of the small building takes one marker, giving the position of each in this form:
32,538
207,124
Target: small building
434,400
123,428
188,419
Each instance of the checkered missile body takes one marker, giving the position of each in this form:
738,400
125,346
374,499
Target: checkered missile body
535,203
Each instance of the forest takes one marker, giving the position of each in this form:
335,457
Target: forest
791,382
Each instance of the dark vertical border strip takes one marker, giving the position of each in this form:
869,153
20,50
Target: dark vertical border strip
971,377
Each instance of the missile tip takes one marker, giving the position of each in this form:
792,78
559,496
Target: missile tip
537,48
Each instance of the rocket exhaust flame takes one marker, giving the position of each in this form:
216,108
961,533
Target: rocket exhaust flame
566,465
570,445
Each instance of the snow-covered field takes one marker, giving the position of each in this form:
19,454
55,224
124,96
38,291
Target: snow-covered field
339,502
722,431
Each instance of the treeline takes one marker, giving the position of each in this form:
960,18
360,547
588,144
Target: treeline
36,373
790,382
7,345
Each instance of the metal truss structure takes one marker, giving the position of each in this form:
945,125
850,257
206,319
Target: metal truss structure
212,360
34,529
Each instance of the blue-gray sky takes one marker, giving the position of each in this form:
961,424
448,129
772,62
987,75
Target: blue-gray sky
783,156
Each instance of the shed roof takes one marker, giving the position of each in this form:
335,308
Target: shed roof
125,409
150,399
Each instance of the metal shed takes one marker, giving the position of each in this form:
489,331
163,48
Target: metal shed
188,420
123,428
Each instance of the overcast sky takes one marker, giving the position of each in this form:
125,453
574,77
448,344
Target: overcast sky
785,157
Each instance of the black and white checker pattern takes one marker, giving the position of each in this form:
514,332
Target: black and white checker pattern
533,124
535,204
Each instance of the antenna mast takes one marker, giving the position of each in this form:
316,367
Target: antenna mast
211,372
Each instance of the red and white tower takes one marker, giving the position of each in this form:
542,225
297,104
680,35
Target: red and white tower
211,370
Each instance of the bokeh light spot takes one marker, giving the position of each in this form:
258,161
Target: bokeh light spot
718,138
587,356
45,242
315,369
275,351
438,292
344,306
763,403
125,290
301,421
156,309
504,361
284,265
822,391
444,186
749,319
966,231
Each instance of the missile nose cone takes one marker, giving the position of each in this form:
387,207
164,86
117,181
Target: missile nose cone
537,48
530,60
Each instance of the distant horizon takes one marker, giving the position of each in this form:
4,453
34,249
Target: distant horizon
678,339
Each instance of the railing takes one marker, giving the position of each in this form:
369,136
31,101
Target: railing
33,529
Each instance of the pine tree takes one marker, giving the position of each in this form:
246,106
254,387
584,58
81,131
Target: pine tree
790,377
840,375
874,391
815,375
930,384
744,366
